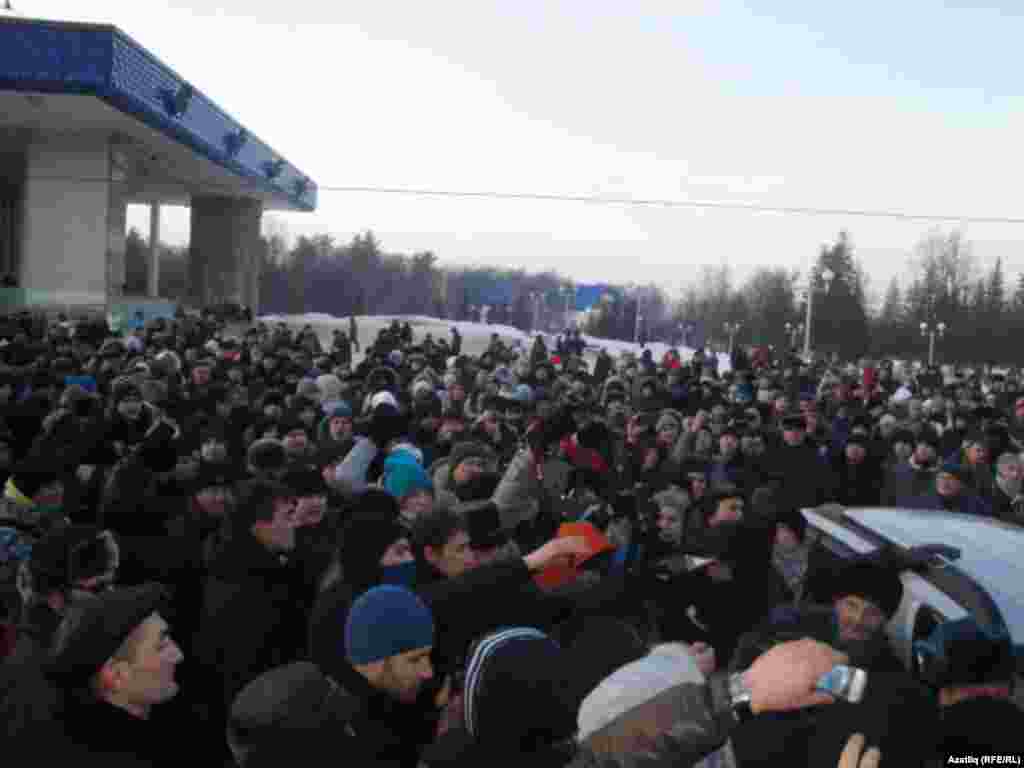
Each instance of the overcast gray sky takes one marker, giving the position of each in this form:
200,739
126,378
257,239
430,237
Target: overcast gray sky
911,106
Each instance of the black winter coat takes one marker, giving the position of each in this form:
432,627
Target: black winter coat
29,702
97,733
251,620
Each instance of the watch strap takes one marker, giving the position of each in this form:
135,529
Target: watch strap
739,698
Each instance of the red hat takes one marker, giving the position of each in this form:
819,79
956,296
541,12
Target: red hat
556,576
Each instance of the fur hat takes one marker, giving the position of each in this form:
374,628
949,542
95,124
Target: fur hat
872,581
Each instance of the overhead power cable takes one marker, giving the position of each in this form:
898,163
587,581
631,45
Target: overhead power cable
673,203
635,202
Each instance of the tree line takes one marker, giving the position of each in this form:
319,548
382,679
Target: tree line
318,274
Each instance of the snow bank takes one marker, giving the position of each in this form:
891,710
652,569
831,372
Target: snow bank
475,335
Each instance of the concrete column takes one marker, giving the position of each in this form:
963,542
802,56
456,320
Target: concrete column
117,241
153,268
65,236
223,253
12,178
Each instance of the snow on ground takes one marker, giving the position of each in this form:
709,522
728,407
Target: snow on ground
475,336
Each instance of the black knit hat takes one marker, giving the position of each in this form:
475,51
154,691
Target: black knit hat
104,624
519,691
267,455
305,481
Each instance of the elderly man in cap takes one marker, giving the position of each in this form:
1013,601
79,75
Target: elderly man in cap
115,659
848,609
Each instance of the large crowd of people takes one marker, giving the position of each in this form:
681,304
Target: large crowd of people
239,545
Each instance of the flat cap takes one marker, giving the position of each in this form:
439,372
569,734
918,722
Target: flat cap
104,624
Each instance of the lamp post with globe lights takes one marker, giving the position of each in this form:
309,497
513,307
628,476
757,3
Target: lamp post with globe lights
732,329
827,276
793,331
931,331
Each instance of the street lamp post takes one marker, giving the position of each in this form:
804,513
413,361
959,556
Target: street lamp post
793,331
931,332
636,330
827,277
732,329
535,300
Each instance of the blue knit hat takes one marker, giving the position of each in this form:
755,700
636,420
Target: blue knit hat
341,410
403,475
956,469
387,621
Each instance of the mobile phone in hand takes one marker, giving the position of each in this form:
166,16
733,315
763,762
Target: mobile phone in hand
846,683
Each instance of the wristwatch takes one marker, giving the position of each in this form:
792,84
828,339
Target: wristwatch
739,697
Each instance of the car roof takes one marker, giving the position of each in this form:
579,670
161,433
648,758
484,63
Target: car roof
990,550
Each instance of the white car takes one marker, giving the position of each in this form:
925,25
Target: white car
975,566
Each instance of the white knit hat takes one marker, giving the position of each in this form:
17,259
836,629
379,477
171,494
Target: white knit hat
630,686
666,666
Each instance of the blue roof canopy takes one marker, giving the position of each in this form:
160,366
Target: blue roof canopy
99,60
